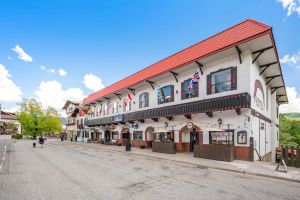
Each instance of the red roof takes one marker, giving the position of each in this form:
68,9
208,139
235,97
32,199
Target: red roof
237,34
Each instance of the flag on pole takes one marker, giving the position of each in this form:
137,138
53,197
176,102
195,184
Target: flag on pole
194,79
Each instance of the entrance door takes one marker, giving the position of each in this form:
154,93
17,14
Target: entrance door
194,139
107,136
126,136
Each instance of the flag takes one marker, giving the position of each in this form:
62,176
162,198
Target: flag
129,98
100,109
194,79
108,105
81,113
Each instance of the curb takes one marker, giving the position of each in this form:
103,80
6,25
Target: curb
209,167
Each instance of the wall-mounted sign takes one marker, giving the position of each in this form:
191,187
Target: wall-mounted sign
259,95
242,137
118,118
189,125
135,126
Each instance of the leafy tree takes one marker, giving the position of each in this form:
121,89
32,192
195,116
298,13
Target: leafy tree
35,120
289,131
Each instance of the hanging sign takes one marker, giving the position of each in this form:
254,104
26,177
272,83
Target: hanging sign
189,125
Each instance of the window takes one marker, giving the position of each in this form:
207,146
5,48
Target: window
144,100
262,126
222,81
87,134
242,137
221,137
115,135
166,94
105,109
127,105
164,137
115,107
187,93
137,135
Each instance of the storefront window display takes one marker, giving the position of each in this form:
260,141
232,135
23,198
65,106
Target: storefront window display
221,137
164,137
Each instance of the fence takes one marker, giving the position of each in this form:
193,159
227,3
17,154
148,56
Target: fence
291,156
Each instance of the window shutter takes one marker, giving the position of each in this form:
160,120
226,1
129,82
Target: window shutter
147,99
140,100
196,89
233,78
172,93
182,91
208,85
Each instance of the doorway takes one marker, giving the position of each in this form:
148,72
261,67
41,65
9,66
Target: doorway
107,136
194,139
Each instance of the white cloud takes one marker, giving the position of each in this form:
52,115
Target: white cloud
51,93
9,91
292,60
22,54
292,6
9,57
294,101
62,72
49,70
93,82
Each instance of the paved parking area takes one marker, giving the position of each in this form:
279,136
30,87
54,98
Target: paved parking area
77,171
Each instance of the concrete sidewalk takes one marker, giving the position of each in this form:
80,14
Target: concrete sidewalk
257,168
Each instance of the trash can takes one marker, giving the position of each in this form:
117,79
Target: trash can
128,145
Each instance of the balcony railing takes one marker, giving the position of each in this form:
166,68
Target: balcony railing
230,102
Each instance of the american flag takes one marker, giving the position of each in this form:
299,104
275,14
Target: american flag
194,80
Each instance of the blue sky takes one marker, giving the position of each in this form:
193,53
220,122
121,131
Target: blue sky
104,41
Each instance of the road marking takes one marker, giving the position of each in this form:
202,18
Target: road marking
4,154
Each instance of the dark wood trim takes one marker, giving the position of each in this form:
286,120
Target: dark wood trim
188,116
238,111
200,66
118,95
151,83
230,102
141,120
155,119
260,116
260,52
239,53
210,114
175,75
170,118
132,90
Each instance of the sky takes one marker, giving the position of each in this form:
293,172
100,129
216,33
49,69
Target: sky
67,49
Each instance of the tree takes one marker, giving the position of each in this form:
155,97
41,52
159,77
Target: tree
289,131
35,120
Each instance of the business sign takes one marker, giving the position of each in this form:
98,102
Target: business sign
189,125
259,95
135,126
118,118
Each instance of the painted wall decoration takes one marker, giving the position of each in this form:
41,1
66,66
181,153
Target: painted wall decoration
259,95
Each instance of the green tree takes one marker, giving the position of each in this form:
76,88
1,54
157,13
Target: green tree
35,120
289,131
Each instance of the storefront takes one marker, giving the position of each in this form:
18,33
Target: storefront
163,141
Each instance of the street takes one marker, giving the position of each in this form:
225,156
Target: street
63,170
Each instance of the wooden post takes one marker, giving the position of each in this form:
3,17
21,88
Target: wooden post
298,158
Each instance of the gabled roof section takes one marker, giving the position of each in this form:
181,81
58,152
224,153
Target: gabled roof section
237,34
69,102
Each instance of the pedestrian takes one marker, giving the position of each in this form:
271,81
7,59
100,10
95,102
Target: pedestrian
41,141
75,138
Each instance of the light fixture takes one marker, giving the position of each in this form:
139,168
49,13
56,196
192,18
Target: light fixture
220,122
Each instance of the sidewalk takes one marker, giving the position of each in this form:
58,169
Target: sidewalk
257,168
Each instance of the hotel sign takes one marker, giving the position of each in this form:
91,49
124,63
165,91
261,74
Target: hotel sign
118,118
259,95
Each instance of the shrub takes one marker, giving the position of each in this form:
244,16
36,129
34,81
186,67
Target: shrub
17,136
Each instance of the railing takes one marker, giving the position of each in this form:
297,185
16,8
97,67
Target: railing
230,102
291,156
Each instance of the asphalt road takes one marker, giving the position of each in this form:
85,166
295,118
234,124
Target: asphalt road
75,171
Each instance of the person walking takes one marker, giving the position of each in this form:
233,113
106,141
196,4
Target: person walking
41,141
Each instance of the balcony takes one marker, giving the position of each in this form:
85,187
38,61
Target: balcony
230,102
